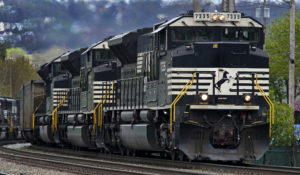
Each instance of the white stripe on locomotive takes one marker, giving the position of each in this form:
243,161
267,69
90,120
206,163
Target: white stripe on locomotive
100,89
178,77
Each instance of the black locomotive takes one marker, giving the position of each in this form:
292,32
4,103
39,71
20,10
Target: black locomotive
195,86
9,119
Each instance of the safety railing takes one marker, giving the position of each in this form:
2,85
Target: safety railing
99,109
11,127
271,105
55,111
178,97
33,114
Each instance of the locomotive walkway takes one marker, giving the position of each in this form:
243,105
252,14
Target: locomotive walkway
97,163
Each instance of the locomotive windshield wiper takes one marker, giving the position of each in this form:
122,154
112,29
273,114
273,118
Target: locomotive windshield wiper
204,23
239,53
234,23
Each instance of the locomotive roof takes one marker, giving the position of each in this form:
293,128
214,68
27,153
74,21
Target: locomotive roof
57,59
186,20
101,44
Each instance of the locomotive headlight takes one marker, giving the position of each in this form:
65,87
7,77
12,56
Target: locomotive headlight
222,18
215,17
247,98
204,97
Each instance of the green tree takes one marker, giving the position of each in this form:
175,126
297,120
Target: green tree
277,46
15,70
283,128
16,53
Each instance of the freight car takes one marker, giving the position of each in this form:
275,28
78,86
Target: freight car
9,119
193,87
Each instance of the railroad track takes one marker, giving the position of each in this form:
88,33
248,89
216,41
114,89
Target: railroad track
81,165
96,163
216,167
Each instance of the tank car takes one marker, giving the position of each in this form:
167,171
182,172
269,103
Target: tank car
193,87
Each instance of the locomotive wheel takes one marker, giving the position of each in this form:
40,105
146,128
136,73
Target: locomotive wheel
173,155
122,152
128,152
181,156
133,153
162,154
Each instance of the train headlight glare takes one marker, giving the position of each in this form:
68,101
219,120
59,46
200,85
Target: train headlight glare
204,97
222,18
247,98
215,17
165,112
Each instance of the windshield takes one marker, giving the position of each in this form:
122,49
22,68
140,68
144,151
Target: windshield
191,34
101,55
198,34
240,34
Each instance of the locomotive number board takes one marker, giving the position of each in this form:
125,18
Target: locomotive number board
206,16
233,16
202,16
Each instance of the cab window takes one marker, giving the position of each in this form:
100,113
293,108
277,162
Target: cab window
191,34
101,55
240,34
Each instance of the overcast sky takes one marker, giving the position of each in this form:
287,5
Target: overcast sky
74,25
166,2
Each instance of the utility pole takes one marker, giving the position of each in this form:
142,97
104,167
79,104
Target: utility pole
292,55
263,12
197,5
292,71
228,5
265,18
225,5
10,78
231,5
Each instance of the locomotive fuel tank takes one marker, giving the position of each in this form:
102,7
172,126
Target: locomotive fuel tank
46,134
78,135
139,136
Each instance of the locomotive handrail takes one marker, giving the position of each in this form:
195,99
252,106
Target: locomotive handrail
36,109
100,117
54,112
172,106
99,107
271,105
11,127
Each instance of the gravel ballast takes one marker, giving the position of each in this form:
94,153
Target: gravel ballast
7,167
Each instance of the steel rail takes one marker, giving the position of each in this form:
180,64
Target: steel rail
90,166
215,167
